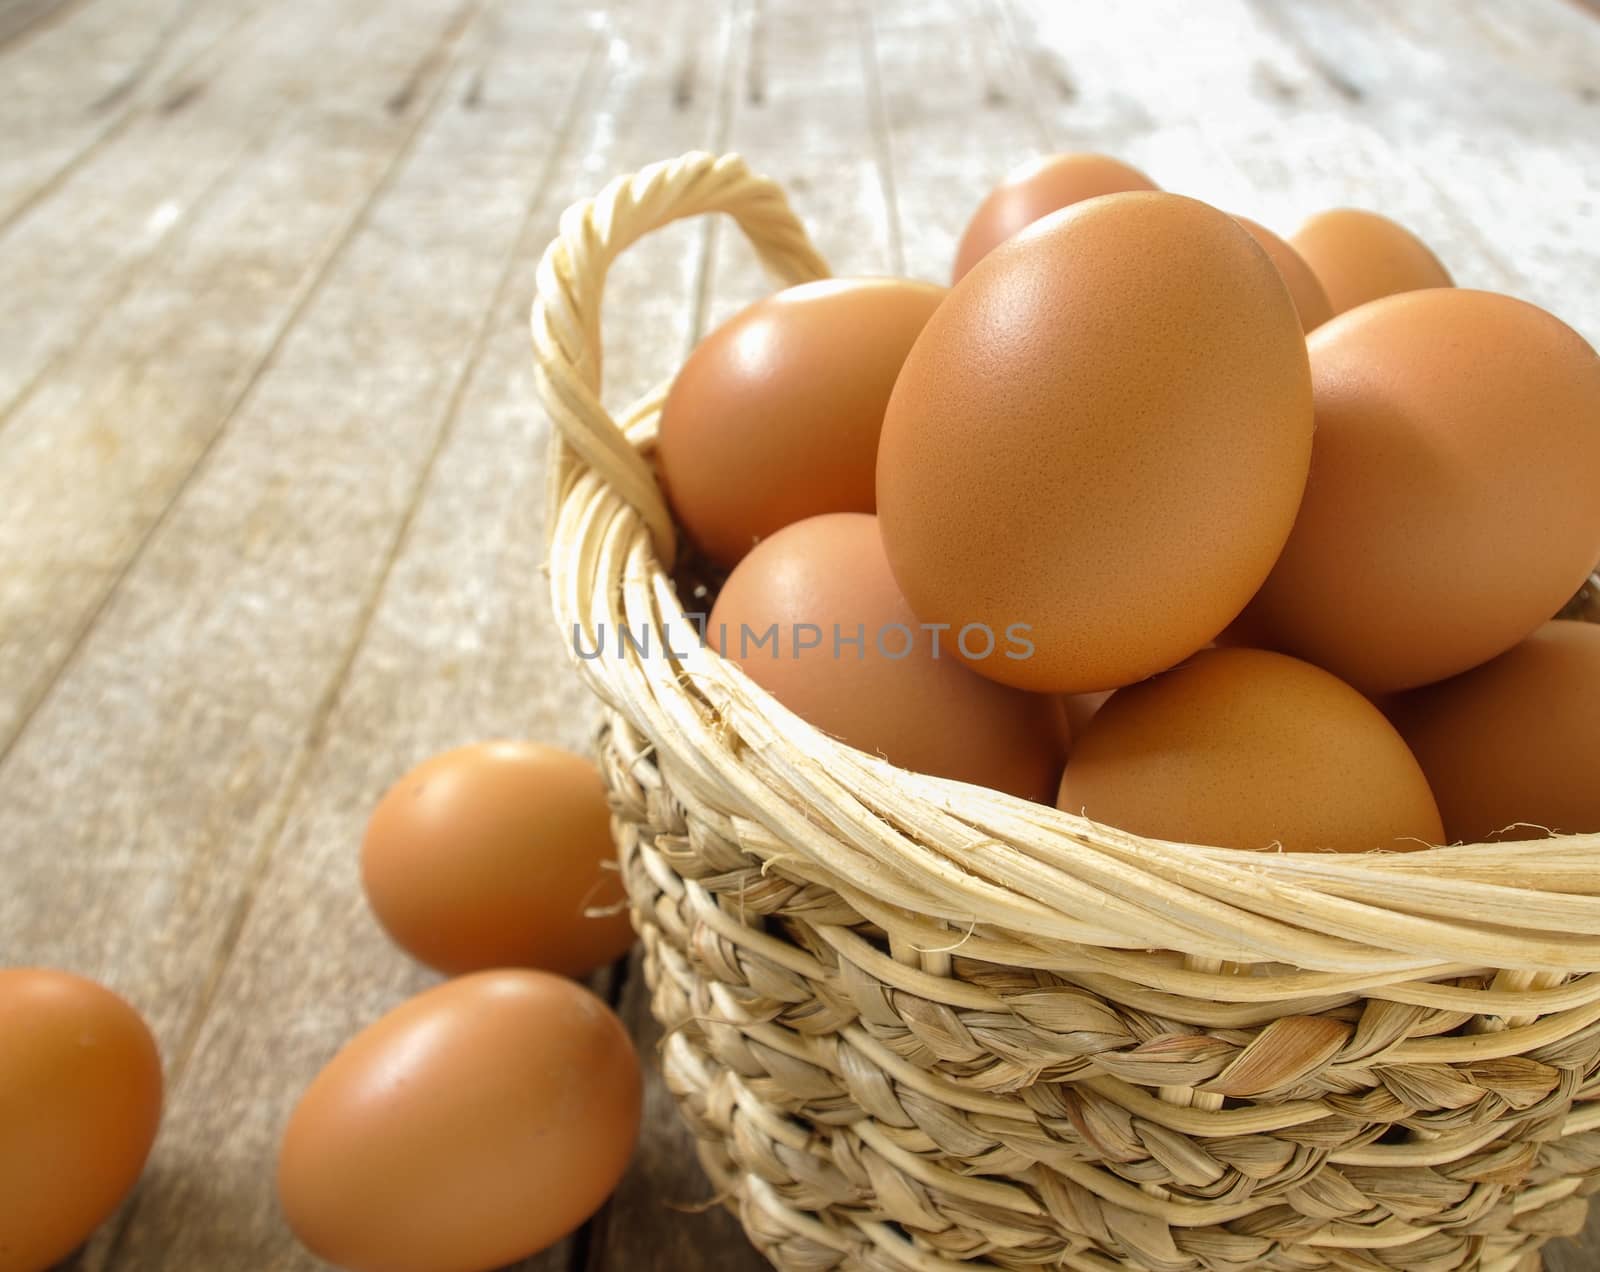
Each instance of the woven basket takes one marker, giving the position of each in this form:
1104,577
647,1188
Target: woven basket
915,1024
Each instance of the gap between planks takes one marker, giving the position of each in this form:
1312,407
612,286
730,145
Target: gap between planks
320,272
23,19
307,753
518,254
124,97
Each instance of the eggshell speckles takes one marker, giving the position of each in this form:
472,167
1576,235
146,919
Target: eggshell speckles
470,1127
80,1103
1037,189
1310,301
1247,749
1512,748
1102,434
1359,256
1451,507
775,416
890,694
498,855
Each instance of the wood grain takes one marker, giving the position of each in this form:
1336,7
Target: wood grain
1506,139
943,164
1243,114
78,74
804,112
62,270
456,645
101,448
226,638
20,18
271,474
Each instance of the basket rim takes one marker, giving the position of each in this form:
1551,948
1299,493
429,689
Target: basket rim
939,864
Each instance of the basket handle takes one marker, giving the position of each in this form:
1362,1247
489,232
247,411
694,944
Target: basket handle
571,280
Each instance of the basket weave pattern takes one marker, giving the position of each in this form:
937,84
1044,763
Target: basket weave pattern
917,1025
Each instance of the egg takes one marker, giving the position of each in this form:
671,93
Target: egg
1359,256
1101,437
849,656
1512,748
1082,708
1310,301
498,855
1037,189
1451,507
80,1103
775,416
1243,748
473,1125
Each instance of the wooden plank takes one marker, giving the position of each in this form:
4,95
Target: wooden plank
673,85
804,114
113,713
459,643
1243,116
76,78
215,660
1491,113
806,109
20,18
76,250
944,164
1551,40
95,454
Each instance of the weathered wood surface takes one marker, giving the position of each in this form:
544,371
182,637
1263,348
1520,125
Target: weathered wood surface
271,478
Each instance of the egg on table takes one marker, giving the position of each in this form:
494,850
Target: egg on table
80,1104
474,1125
498,855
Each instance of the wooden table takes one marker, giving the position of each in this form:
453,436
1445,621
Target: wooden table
271,476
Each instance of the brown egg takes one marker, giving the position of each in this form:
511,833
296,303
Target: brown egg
473,1125
900,692
1512,748
1452,503
1037,189
498,855
80,1102
1310,301
1247,749
1101,437
1359,256
775,416
1082,708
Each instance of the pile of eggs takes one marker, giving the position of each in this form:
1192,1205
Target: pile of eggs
1199,532
1202,533
473,1125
